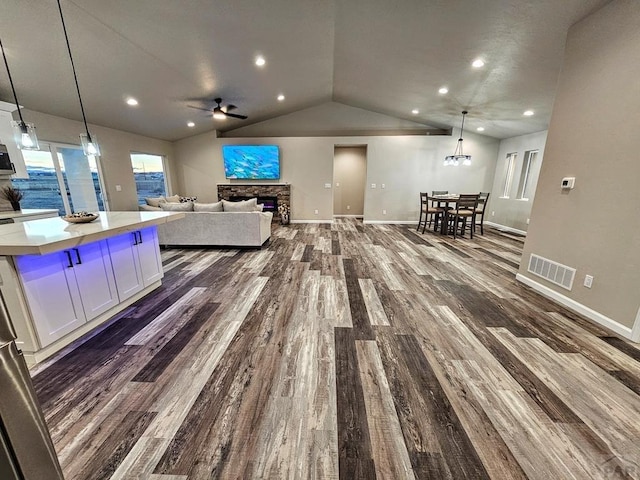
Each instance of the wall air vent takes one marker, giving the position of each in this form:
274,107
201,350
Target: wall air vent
552,271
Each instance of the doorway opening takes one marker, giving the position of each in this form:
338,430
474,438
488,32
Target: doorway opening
349,177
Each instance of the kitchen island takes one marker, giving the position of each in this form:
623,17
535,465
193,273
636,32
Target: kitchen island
60,280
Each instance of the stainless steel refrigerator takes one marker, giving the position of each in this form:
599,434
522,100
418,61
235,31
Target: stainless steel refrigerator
26,449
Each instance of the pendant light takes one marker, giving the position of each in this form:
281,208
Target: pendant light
23,133
89,144
458,154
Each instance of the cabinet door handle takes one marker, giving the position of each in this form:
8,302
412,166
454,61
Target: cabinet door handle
70,264
140,235
135,238
78,259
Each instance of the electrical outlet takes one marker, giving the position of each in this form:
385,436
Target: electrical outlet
316,211
588,281
527,221
373,185
118,188
384,212
348,207
327,185
493,213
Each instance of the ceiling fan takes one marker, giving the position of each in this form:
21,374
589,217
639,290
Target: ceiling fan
220,112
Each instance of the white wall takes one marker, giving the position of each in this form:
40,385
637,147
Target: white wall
511,212
405,164
593,135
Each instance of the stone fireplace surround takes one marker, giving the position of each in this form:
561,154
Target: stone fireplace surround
268,192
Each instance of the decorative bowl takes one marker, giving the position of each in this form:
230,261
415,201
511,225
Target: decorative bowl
80,217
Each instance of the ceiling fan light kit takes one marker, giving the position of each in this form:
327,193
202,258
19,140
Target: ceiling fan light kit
458,154
219,112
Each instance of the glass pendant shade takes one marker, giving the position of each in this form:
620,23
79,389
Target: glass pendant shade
90,145
25,136
458,155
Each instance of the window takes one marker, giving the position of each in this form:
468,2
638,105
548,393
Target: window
508,178
148,171
524,188
61,177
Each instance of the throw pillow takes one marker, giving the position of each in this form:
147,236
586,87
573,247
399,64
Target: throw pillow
242,206
207,207
188,199
154,201
260,207
173,199
177,207
149,208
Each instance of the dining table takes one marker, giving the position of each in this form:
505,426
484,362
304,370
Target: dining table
447,202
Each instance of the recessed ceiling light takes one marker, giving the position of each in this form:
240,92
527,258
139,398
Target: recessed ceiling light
280,98
415,111
260,61
480,129
191,124
477,63
132,101
443,90
528,113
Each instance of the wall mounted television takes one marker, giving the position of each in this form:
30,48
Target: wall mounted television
255,162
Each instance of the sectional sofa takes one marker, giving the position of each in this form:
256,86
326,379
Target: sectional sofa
232,224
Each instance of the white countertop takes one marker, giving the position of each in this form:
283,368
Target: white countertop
47,235
27,212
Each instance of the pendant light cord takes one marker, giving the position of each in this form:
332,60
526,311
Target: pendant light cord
15,97
73,67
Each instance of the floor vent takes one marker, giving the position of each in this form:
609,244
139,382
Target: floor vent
552,271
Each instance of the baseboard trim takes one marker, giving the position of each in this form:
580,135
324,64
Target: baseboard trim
577,307
311,221
348,216
391,222
505,228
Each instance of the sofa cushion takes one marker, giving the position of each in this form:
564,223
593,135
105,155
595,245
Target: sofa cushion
207,207
155,201
149,208
177,207
242,206
173,199
188,199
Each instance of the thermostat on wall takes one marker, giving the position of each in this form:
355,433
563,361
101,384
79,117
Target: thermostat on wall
568,182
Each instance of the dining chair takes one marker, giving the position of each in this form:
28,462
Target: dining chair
429,212
435,202
483,199
464,213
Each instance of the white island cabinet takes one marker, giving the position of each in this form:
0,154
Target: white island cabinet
77,284
135,258
60,281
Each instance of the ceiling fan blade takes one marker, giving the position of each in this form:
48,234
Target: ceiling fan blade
233,115
200,108
231,107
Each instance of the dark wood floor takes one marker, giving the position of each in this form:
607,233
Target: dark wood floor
352,352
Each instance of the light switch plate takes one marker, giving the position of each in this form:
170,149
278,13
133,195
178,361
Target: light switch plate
373,185
327,185
118,188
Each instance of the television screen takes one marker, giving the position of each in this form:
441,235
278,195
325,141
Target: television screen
251,161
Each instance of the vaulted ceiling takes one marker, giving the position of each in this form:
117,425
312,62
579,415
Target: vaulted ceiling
388,57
